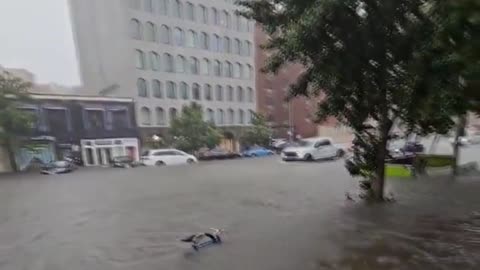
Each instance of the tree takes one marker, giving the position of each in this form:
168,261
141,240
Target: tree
190,132
13,122
259,133
372,62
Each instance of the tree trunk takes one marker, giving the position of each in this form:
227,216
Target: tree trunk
378,184
462,122
11,154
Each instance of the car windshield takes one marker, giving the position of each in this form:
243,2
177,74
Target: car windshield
304,143
60,164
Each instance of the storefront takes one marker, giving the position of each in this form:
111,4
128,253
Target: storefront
100,152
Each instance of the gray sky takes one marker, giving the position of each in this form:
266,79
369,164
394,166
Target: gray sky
37,35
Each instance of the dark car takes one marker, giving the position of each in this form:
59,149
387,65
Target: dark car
124,162
58,167
217,154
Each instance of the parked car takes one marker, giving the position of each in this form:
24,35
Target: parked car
58,167
313,149
124,162
258,152
410,147
217,154
163,157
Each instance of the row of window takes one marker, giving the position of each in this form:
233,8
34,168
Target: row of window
194,13
180,64
195,93
189,39
219,118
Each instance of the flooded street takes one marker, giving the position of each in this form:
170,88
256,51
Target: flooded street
277,216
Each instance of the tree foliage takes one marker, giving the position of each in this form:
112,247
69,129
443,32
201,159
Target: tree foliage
372,60
13,122
259,133
190,132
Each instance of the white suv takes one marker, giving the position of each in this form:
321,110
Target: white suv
167,157
313,149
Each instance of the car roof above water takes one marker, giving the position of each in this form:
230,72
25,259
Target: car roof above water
314,139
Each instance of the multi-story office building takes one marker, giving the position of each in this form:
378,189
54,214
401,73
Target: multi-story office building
166,54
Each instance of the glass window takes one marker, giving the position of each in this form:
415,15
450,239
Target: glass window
251,116
249,72
140,59
247,48
231,116
205,41
250,94
223,18
142,88
204,14
205,67
179,37
165,34
194,65
171,90
160,115
219,92
168,62
228,70
190,12
237,47
184,94
180,64
196,92
230,93
228,20
220,117
210,116
250,25
136,29
154,61
240,94
150,32
217,43
145,116
237,70
157,89
148,5
227,45
243,24
163,7
177,9
237,22
192,39
215,16
241,117
173,114
217,68
207,89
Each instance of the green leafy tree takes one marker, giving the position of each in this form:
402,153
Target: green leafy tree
259,133
372,62
13,122
190,132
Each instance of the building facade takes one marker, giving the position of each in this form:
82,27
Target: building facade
91,127
166,54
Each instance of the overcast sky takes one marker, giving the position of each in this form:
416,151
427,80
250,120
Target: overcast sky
37,35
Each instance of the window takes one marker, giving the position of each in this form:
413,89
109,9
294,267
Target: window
171,90
163,7
177,9
247,47
217,68
140,59
220,117
58,119
204,14
231,116
250,25
184,91
173,114
241,117
210,116
205,41
134,4
145,116
228,20
136,29
190,12
250,94
150,32
154,61
196,92
249,72
237,70
230,93
194,65
227,45
215,16
165,34
240,94
148,5
205,67
243,24
180,63
168,62
237,46
118,119
157,89
237,22
160,115
142,88
228,70
207,89
216,43
219,92
179,36
192,39
223,18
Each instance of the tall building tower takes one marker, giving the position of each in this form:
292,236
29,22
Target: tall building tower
166,54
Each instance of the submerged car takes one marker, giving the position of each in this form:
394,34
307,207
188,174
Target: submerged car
124,162
162,157
258,152
58,167
218,153
313,149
